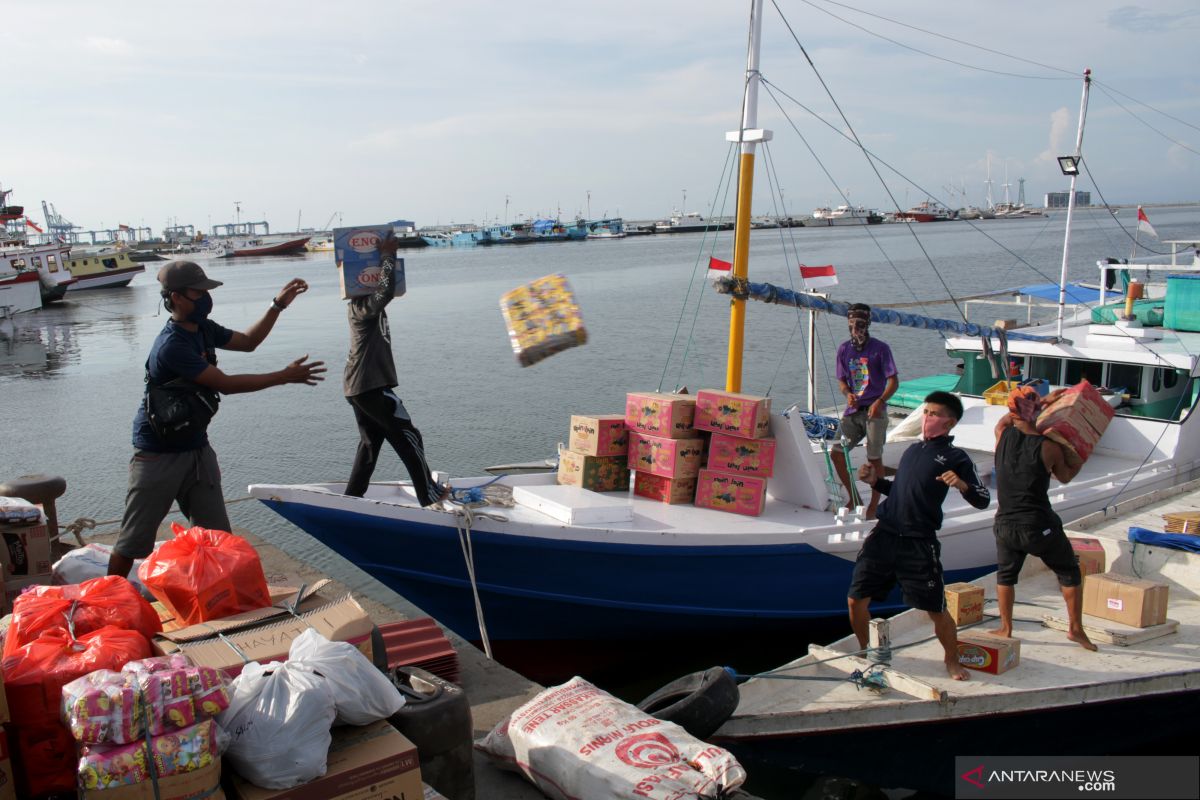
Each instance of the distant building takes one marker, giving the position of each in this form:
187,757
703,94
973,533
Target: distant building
404,225
1062,199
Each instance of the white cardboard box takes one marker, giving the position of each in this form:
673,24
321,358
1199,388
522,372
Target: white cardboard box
575,506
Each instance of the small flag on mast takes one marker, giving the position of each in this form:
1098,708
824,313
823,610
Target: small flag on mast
1144,223
718,269
818,277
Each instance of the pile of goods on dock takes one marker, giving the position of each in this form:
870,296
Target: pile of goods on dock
108,695
712,449
25,550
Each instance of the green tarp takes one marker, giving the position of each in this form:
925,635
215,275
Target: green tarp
912,392
1147,312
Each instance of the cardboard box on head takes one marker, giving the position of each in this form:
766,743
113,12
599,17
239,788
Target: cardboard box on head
357,255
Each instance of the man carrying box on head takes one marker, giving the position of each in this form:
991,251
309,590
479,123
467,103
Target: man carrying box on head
903,548
1025,522
867,377
369,380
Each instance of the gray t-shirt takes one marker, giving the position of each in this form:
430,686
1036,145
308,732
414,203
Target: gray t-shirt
370,364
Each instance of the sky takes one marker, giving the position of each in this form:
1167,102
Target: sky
312,114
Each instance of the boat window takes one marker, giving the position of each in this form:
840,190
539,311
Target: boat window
18,263
1043,367
37,262
110,263
1170,378
1126,376
53,261
1078,370
1156,383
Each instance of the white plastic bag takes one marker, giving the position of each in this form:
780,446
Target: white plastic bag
576,740
14,510
278,720
361,693
91,561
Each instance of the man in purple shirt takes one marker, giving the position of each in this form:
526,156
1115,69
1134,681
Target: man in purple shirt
867,377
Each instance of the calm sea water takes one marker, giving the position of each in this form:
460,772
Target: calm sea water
71,375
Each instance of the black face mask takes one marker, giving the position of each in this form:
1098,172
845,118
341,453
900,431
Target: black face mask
860,331
201,308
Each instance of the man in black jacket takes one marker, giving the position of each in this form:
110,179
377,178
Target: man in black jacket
903,548
369,380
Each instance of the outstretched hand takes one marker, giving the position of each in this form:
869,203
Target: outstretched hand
300,372
866,474
294,287
951,479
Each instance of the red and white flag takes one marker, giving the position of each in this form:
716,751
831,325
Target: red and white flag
817,277
1144,224
123,227
718,269
30,223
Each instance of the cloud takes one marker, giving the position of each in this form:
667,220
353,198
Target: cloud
1138,20
108,45
1059,120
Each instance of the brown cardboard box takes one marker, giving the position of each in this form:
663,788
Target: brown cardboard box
987,653
964,602
8,789
596,473
266,634
664,490
25,551
372,762
1121,598
1090,553
195,784
14,586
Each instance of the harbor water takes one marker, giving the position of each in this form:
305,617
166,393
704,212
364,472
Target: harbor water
71,375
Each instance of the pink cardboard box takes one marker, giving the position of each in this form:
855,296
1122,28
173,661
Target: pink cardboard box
738,494
742,456
745,416
660,414
1091,556
599,435
665,490
1077,419
670,458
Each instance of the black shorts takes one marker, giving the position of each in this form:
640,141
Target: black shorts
887,558
1015,540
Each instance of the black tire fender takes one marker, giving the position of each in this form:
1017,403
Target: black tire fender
699,703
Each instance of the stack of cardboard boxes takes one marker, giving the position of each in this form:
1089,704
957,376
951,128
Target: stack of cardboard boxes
741,455
24,558
595,454
664,449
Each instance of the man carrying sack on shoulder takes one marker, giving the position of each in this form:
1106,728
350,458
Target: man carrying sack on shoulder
172,459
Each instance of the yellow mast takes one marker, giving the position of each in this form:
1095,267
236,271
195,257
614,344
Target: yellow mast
747,137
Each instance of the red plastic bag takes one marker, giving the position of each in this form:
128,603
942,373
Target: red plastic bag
204,574
109,600
33,679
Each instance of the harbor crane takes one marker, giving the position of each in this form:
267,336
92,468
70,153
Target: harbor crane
57,225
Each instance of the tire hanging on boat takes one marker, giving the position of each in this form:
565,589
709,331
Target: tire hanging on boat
699,703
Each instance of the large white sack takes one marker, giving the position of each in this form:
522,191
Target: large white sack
578,741
91,561
278,720
361,693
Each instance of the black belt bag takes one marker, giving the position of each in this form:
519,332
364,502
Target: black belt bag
180,410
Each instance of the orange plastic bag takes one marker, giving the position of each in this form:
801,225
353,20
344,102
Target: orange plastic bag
33,679
108,600
203,574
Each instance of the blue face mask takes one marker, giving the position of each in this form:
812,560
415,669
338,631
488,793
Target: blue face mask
201,309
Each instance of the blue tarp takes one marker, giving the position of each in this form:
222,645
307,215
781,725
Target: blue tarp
1175,541
1075,293
769,293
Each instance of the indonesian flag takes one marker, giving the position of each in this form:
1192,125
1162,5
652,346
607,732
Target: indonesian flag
123,227
1144,223
817,277
30,223
718,269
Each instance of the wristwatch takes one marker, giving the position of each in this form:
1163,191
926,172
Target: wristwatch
275,304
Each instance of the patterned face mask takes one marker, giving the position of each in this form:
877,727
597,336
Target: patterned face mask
860,331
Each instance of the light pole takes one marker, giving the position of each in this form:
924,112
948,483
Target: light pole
589,203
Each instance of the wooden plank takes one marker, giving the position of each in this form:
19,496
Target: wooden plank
1106,632
895,679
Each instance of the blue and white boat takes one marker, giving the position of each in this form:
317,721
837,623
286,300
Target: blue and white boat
535,564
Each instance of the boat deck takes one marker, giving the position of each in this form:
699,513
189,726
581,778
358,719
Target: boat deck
1051,670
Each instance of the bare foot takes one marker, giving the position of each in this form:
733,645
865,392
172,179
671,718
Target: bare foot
1080,638
1002,631
957,671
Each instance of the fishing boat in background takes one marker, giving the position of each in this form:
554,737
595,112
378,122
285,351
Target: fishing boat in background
320,244
103,270
613,228
926,211
842,215
261,246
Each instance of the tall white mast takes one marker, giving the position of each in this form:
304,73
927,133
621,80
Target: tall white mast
1062,279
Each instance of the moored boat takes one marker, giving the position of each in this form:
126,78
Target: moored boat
926,211
103,270
810,714
262,246
842,215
